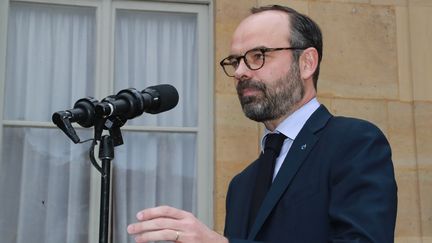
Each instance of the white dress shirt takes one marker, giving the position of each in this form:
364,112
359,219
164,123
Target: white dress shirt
290,127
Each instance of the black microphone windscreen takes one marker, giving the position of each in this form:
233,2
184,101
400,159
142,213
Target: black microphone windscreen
168,96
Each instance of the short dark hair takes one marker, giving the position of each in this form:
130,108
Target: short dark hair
303,30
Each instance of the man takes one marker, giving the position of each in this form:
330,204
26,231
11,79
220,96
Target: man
333,178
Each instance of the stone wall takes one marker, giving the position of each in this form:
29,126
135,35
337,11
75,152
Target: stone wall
377,65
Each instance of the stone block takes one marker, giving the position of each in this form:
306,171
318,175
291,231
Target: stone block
423,118
374,111
404,55
417,239
236,136
401,135
327,102
425,182
299,5
423,126
390,2
347,1
408,216
421,58
419,3
228,14
427,239
360,51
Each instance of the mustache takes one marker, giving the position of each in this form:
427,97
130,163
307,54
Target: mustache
250,84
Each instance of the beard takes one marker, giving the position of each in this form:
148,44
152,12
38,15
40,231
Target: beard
275,100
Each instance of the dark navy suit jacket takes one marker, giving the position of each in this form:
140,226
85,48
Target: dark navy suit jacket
336,185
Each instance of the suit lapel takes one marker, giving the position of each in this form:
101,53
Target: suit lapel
246,207
298,152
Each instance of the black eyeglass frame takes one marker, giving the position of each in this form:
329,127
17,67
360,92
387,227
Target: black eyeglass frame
263,50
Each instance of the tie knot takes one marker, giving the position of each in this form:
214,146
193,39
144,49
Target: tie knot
274,142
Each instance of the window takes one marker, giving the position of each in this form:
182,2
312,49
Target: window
59,51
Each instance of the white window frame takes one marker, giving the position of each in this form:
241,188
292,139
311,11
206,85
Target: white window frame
105,24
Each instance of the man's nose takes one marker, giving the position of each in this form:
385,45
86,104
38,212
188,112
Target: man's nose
242,72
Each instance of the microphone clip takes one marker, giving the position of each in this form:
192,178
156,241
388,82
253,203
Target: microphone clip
83,113
62,121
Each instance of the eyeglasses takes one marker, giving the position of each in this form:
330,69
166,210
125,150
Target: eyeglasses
254,59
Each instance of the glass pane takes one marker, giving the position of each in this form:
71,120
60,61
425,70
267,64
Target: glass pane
44,187
44,178
155,48
152,169
50,59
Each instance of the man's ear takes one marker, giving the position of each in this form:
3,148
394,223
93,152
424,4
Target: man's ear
308,63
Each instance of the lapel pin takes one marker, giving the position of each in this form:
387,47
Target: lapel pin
303,147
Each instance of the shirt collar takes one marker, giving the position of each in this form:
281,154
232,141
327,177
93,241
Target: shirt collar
292,125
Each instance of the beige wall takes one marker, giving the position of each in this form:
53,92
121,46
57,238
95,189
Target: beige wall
377,65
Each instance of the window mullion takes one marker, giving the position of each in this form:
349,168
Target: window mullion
4,6
103,84
205,120
104,42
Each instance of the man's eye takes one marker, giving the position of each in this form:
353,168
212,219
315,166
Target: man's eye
255,56
258,55
233,62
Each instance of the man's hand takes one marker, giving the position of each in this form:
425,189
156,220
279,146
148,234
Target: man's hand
170,224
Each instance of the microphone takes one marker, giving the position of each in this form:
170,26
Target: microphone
127,104
130,103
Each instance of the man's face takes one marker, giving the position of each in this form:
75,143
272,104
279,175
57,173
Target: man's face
271,100
272,91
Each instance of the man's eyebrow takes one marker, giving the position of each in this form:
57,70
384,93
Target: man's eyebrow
233,56
255,48
259,47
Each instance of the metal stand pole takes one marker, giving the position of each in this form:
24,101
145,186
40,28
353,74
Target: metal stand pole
106,154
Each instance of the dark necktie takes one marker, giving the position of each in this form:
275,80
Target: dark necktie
266,164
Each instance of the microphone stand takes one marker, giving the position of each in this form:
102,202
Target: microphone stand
129,103
106,154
